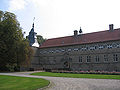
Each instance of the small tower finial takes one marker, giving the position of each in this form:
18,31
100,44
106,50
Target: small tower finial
33,22
80,30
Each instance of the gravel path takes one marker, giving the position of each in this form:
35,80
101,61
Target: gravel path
61,83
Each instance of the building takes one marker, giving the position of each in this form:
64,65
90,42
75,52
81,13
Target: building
98,51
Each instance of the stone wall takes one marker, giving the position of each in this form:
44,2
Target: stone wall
96,56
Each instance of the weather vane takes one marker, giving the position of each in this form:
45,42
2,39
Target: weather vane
33,22
33,19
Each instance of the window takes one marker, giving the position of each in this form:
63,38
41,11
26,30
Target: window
92,48
88,58
101,47
69,50
115,57
105,58
118,45
80,58
75,49
97,59
109,46
41,52
114,45
62,50
84,49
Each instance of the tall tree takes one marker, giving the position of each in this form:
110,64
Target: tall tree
11,41
40,39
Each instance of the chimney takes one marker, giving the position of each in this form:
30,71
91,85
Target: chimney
75,32
111,27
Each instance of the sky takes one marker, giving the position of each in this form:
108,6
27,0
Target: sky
59,18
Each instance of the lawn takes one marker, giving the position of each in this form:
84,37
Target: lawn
94,76
21,83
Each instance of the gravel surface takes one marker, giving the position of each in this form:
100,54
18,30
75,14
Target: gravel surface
61,83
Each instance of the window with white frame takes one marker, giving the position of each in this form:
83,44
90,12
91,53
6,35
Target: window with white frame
115,57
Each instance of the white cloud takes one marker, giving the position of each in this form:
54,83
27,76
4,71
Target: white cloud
15,5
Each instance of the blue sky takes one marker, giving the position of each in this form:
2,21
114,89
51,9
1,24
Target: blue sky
58,18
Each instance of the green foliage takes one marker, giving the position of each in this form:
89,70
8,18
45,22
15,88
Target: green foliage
12,43
21,83
95,76
40,39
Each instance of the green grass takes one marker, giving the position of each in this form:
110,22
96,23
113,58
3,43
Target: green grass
21,83
94,76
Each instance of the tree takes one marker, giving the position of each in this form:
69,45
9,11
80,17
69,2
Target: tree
40,39
12,43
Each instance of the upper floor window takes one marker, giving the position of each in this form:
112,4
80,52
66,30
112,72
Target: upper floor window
83,48
101,47
69,49
97,59
62,50
118,45
115,57
106,58
88,58
93,48
75,49
80,58
109,46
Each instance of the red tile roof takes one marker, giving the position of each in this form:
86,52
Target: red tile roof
83,39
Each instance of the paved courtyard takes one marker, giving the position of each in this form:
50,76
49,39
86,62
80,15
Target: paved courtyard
61,83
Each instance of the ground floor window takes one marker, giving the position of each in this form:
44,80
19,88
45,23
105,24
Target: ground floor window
88,58
97,59
115,57
106,58
80,58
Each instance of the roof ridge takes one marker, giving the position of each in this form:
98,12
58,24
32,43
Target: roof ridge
82,34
